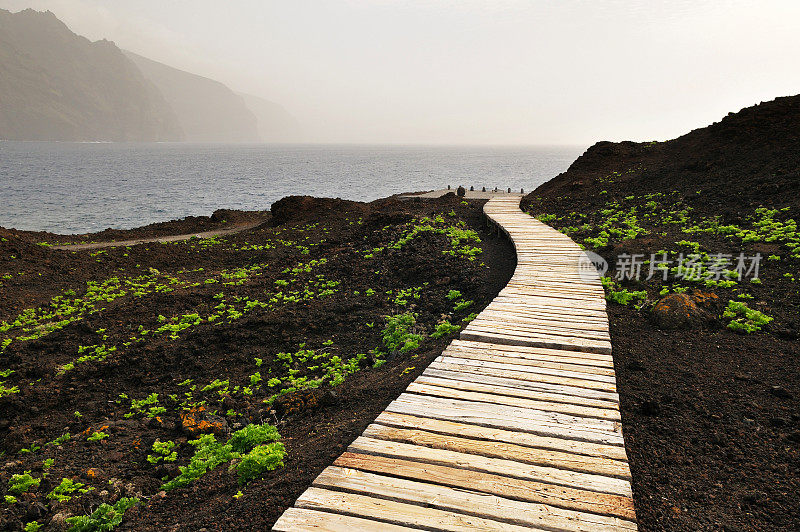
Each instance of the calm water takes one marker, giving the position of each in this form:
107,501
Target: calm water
79,188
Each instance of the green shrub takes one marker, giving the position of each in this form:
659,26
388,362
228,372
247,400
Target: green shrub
105,518
63,492
21,483
453,294
444,328
397,334
255,445
621,295
249,437
744,319
97,436
461,305
261,458
163,451
208,454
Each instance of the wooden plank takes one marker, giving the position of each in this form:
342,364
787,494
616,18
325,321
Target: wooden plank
558,392
305,520
544,362
465,502
586,358
398,513
424,386
517,326
498,363
509,418
611,452
496,466
531,336
596,319
480,335
592,388
518,308
582,306
461,382
507,451
563,422
556,320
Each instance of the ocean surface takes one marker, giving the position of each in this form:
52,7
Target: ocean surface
87,187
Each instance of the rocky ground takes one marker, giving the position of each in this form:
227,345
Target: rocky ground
146,380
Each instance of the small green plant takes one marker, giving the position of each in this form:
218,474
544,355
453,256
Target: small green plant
60,440
97,436
255,446
461,305
63,492
397,335
105,518
444,328
162,451
744,319
453,294
621,295
21,483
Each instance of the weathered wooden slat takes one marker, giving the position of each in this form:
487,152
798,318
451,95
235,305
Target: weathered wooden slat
611,452
603,427
551,320
508,451
586,358
554,401
509,418
517,326
440,388
508,468
538,341
466,502
457,358
568,394
399,513
523,373
541,361
305,520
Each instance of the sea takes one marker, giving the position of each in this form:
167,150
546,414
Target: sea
81,188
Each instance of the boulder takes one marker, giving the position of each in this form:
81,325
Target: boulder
681,311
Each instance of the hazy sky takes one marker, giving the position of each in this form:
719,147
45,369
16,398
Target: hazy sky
467,71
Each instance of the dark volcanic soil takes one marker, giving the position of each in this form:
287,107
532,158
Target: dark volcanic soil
711,417
204,327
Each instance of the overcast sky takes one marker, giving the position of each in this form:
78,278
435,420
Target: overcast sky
467,71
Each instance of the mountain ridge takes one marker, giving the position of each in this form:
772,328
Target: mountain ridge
57,85
60,86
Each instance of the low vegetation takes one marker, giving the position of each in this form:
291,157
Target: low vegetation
180,364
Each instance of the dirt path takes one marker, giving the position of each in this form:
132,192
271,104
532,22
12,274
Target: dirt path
171,238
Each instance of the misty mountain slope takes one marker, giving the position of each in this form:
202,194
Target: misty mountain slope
747,159
275,124
56,85
207,110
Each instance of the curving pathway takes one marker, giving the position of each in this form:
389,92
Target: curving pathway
159,239
516,426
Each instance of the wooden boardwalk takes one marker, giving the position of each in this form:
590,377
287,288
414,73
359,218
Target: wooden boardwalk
516,426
